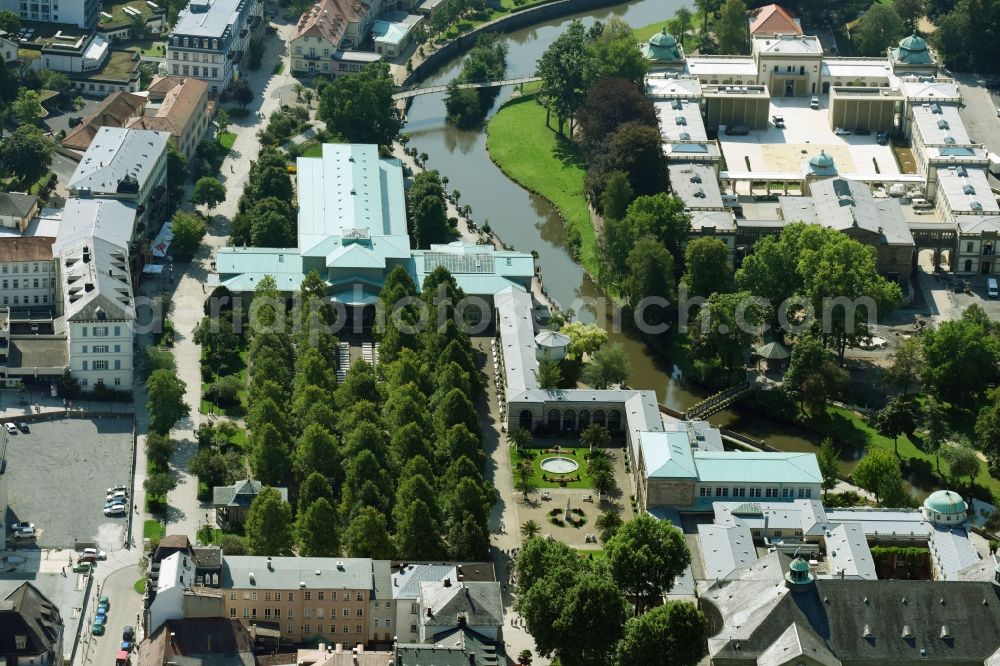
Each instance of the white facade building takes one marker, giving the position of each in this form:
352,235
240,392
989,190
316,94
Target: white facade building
176,574
81,13
210,39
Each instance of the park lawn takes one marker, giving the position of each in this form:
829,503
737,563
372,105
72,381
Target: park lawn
542,161
226,140
907,449
574,453
151,529
313,151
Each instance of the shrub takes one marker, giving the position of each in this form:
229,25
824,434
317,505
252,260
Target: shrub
225,391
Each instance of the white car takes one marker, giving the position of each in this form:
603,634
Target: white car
25,533
96,553
11,428
21,526
840,131
117,489
118,495
116,510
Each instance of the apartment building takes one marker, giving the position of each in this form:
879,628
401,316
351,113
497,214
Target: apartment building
128,165
326,34
210,39
305,598
94,290
27,271
81,13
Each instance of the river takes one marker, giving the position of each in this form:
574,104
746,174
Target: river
528,222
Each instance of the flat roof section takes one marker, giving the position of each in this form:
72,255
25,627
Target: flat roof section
680,120
670,87
855,68
967,189
696,184
716,66
940,124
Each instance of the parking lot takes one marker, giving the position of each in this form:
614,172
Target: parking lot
57,476
806,132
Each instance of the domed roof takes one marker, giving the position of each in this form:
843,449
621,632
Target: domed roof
799,564
663,39
946,502
913,43
821,161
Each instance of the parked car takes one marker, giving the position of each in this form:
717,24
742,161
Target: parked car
114,502
83,567
105,603
882,137
128,633
116,510
97,628
86,559
779,121
25,533
118,489
814,103
96,553
11,428
21,526
24,427
737,130
118,495
840,131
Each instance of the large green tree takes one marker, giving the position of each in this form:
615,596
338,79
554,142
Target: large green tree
674,633
360,108
708,268
646,556
561,68
269,524
878,473
960,360
166,400
418,534
609,365
731,28
898,417
208,192
880,28
650,277
26,154
316,530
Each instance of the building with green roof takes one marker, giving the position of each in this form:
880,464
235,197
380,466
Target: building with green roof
352,232
663,49
945,507
912,56
682,469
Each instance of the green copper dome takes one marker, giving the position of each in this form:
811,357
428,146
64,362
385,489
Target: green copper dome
912,50
799,564
663,38
663,47
822,165
798,575
946,503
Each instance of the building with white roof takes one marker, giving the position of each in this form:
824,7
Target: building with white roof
680,120
393,33
724,549
210,37
126,165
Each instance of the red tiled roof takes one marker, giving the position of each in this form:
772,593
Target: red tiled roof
774,20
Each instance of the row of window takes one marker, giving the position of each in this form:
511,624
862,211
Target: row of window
268,614
770,493
197,42
37,283
193,56
320,612
249,595
85,382
100,331
17,300
101,349
35,267
194,71
101,365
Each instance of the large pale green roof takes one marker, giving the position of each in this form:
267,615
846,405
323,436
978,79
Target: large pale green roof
662,47
762,467
912,50
667,455
946,503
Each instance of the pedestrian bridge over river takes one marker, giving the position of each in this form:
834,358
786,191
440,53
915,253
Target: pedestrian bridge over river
414,92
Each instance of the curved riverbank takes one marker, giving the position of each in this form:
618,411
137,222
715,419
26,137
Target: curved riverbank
544,163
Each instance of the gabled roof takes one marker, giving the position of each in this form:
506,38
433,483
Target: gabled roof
667,455
117,154
16,204
178,98
241,493
460,646
478,603
328,20
797,642
774,20
113,111
198,642
27,612
354,255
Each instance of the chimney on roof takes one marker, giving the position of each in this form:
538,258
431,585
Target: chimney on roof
447,582
270,566
430,613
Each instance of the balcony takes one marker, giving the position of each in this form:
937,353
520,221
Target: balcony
311,56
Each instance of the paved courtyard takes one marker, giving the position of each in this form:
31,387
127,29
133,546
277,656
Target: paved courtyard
57,476
806,132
